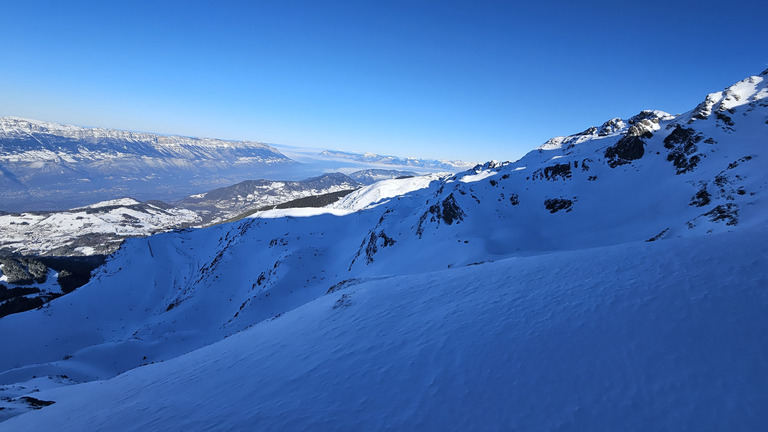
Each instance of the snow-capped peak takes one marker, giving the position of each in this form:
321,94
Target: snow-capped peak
749,91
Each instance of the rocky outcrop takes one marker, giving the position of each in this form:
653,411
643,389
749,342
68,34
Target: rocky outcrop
629,148
611,126
447,211
682,145
554,205
553,172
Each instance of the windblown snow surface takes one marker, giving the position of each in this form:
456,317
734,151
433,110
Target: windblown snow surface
614,279
629,337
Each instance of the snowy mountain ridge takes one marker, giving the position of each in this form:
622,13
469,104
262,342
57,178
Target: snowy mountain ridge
46,166
442,164
16,127
618,227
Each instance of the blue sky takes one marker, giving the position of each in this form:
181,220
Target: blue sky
472,80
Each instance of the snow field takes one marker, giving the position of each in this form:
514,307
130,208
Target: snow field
590,339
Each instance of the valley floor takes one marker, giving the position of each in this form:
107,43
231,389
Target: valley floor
668,335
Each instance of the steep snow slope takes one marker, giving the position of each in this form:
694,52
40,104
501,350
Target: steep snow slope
632,337
650,177
227,278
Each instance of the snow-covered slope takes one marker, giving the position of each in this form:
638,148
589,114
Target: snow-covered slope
631,337
95,229
47,166
657,195
101,227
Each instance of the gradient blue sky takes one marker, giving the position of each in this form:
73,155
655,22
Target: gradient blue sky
472,80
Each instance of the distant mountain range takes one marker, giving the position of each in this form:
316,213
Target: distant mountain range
372,158
46,166
50,166
371,176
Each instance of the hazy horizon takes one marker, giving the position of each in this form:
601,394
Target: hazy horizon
441,80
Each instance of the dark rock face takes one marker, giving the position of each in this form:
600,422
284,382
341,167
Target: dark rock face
589,131
448,211
343,284
451,211
701,198
36,403
553,172
514,199
658,236
629,148
682,144
374,242
489,165
726,120
736,163
554,205
724,212
651,116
